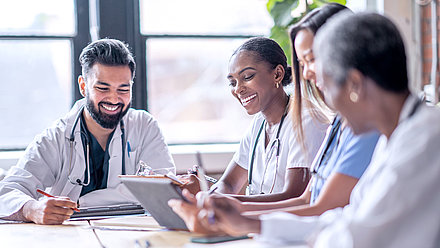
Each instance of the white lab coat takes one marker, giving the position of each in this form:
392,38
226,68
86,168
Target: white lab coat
396,203
45,163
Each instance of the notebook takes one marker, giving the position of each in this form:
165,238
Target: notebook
107,211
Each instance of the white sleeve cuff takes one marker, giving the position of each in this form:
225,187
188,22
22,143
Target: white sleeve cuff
283,228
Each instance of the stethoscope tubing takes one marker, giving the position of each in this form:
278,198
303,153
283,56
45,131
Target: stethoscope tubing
72,141
277,138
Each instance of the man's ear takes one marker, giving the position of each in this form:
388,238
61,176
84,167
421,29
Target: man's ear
355,85
82,85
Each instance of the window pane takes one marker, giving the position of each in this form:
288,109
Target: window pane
205,17
188,91
36,88
42,17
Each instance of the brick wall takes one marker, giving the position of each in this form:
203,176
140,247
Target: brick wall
426,42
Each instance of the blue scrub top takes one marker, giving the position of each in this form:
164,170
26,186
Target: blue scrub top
351,154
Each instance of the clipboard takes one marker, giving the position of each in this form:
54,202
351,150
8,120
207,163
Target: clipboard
173,178
154,192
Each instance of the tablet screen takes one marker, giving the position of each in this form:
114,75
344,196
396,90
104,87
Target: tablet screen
154,194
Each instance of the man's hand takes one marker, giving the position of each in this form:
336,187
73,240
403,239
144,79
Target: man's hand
50,211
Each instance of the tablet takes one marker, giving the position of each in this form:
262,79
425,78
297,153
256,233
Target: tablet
154,194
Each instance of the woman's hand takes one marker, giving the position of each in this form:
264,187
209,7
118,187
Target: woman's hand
189,212
192,183
220,214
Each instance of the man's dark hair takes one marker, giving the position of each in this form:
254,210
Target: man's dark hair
367,42
108,52
268,50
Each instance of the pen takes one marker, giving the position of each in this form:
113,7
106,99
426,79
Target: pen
212,190
203,181
204,187
128,148
49,195
211,214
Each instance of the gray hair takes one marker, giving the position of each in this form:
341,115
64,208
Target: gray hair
367,42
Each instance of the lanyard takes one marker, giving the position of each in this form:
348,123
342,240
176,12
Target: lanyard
251,165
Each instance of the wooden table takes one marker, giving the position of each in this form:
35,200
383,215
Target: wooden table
106,233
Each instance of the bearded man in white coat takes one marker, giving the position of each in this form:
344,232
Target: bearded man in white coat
80,157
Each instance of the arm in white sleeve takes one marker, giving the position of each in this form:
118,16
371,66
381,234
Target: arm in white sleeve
282,228
398,204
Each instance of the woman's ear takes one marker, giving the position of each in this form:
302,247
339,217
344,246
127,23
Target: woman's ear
355,83
82,85
279,74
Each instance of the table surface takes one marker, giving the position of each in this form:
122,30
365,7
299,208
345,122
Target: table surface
109,233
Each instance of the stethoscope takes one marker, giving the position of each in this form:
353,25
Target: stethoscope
84,135
336,125
276,143
326,152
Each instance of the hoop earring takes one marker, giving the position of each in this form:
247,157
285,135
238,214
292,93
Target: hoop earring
277,85
354,97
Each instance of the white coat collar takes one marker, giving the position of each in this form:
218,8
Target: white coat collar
408,107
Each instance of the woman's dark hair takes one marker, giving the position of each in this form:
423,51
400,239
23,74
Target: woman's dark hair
106,51
269,51
313,98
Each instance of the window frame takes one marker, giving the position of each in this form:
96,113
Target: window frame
78,40
120,20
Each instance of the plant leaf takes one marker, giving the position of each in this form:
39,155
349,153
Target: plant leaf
281,10
281,36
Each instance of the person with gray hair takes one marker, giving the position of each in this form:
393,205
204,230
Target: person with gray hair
80,157
361,65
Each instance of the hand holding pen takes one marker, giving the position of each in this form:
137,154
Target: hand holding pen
51,196
204,188
50,210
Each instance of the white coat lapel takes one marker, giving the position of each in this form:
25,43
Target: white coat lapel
76,168
115,160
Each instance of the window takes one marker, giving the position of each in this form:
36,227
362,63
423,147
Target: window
36,62
182,49
42,17
188,46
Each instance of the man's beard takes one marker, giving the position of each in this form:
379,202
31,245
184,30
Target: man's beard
103,119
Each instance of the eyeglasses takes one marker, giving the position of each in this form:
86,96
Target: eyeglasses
145,170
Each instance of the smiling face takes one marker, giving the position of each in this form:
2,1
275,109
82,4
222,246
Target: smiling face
303,46
252,81
108,93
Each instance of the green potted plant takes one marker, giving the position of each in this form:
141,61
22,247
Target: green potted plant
287,12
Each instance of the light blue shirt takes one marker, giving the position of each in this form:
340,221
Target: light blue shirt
350,155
